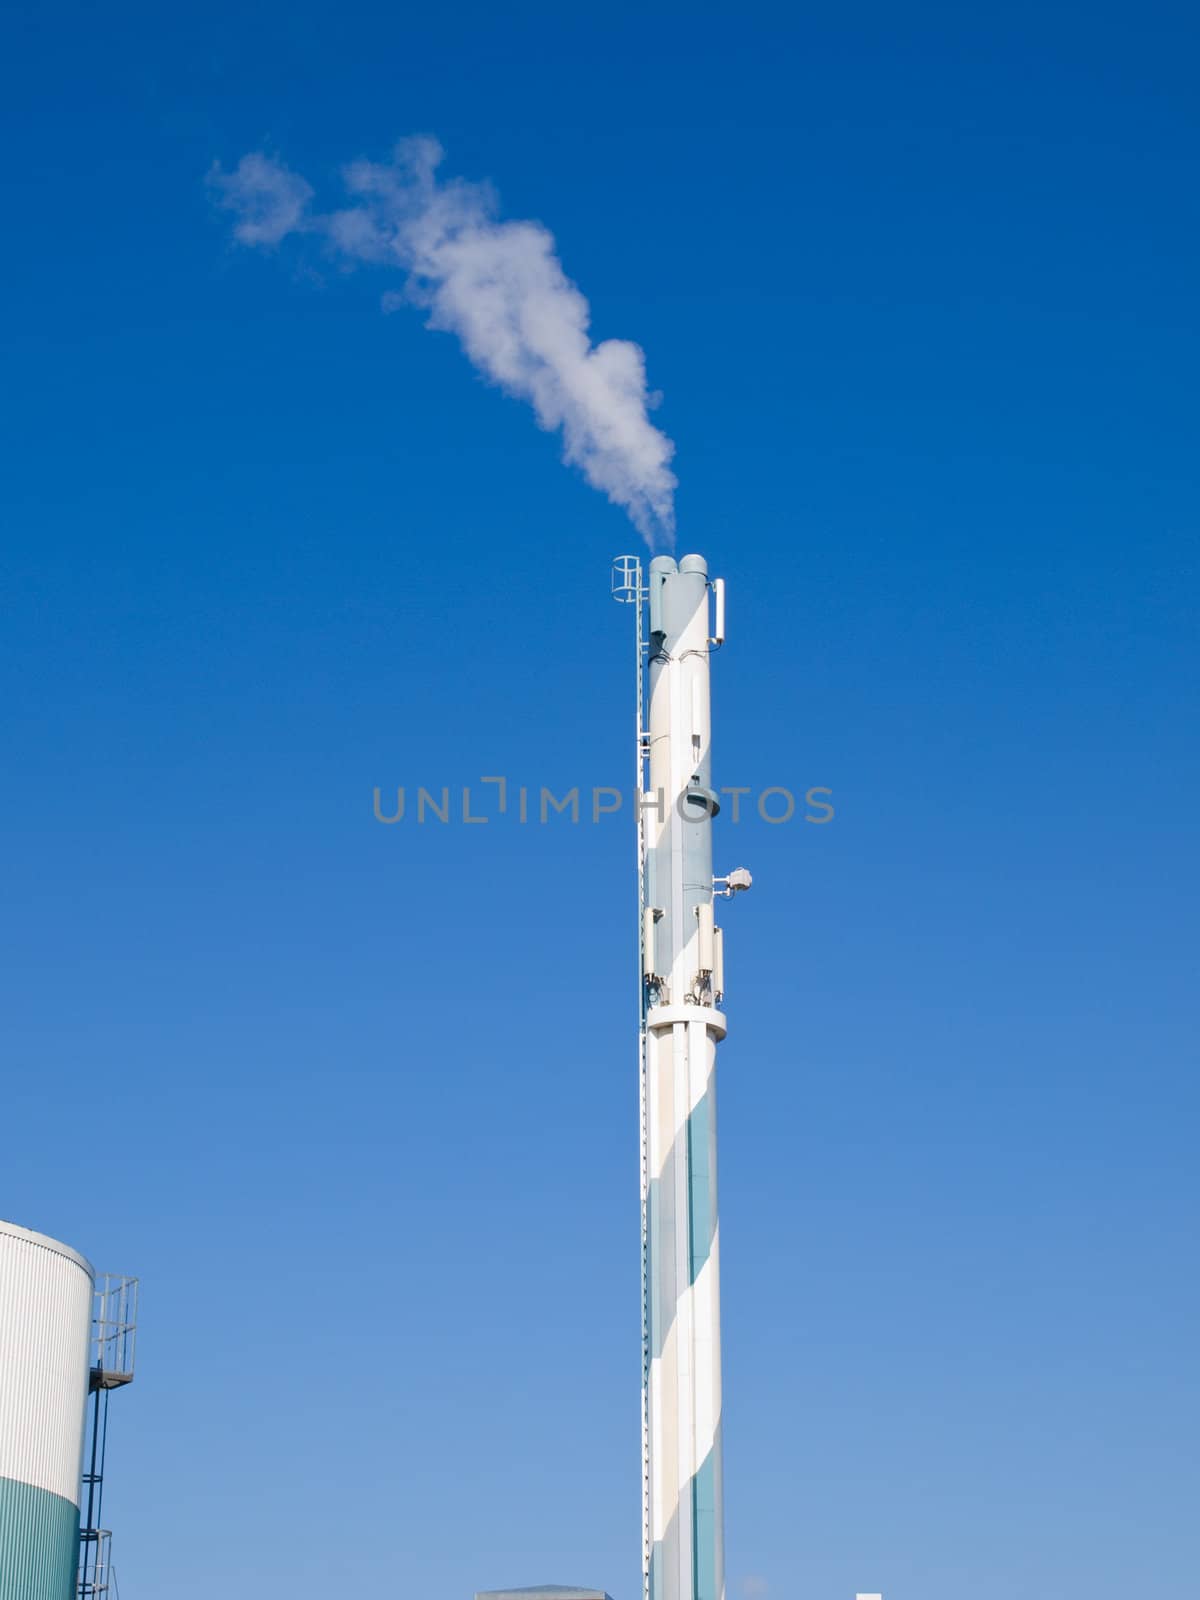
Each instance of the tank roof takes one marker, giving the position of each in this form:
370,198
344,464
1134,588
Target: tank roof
14,1230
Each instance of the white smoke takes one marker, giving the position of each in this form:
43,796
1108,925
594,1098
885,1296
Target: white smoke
500,287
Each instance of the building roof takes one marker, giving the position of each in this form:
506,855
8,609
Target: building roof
543,1591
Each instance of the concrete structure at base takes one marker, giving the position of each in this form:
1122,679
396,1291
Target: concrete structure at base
45,1342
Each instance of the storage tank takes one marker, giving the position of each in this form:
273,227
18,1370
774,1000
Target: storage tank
45,1344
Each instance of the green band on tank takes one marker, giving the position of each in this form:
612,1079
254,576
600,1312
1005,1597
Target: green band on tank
39,1543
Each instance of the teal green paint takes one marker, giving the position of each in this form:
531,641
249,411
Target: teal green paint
706,1538
695,1145
39,1543
701,1221
704,1529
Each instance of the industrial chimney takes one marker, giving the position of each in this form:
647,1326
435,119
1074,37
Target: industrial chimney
680,621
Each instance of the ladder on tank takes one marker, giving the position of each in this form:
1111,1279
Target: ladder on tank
114,1341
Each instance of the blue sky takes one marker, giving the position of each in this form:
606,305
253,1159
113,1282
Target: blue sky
359,1102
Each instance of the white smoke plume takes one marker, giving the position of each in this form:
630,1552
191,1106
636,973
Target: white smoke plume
500,287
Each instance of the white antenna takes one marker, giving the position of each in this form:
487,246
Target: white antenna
718,637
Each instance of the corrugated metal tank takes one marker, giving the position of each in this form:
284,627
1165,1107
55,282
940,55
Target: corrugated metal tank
45,1342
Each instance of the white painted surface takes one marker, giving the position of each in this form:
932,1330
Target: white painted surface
45,1340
